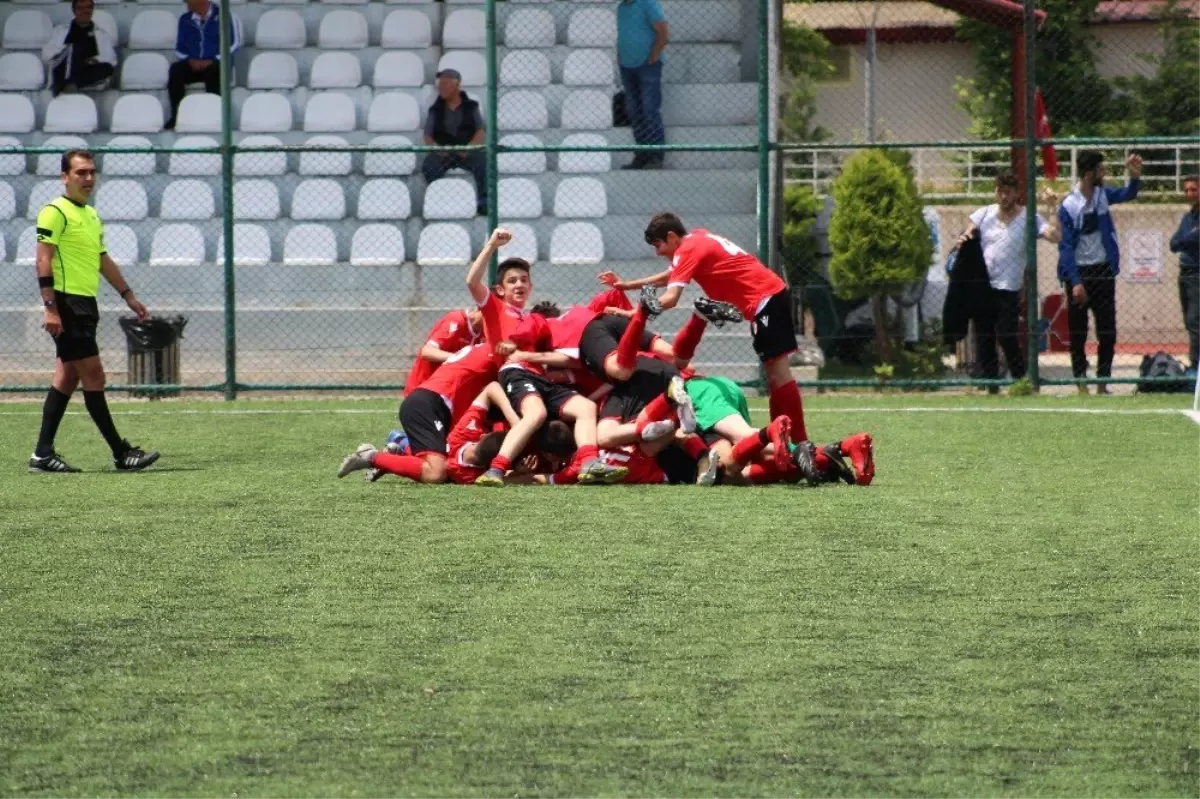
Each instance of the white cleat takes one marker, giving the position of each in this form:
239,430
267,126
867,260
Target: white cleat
361,458
708,467
653,431
683,405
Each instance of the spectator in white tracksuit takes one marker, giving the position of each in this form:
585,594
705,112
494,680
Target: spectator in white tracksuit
80,54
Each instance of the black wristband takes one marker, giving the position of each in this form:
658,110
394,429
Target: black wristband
126,291
45,282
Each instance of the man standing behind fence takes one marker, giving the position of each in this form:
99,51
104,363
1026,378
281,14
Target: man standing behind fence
71,257
1186,242
641,39
1089,260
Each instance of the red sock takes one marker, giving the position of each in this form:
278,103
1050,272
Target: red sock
502,463
694,446
748,447
585,454
760,473
658,409
631,341
400,465
688,338
785,401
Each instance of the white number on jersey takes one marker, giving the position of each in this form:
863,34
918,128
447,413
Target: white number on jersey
727,245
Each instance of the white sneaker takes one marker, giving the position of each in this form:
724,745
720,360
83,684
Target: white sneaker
361,458
684,410
653,431
708,468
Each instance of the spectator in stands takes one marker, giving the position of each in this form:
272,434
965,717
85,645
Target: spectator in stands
1001,229
198,48
1089,260
1186,242
80,54
455,120
641,38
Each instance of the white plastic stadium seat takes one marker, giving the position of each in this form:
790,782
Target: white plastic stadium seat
326,163
251,245
26,29
520,198
580,198
584,161
328,112
529,27
336,70
194,163
405,29
42,193
588,68
522,110
377,245
398,69
310,245
444,244
139,113
469,64
8,203
122,200
280,29
260,163
115,164
255,199
318,198
16,114
384,198
587,109
71,113
524,242
464,29
187,199
385,163
177,245
50,164
342,29
26,252
576,243
533,163
153,29
3,250
263,112
11,163
200,113
107,23
592,27
450,198
393,112
122,244
272,70
144,72
525,68
21,72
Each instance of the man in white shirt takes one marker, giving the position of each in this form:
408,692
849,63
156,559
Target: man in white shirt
1001,229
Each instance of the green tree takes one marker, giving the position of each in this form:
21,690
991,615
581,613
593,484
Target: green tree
801,206
804,60
879,239
1167,103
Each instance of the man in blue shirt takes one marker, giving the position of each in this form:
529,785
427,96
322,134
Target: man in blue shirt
1186,242
641,38
198,48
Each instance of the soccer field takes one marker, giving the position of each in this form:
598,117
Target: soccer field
1012,609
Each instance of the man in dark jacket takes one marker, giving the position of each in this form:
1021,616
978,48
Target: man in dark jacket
1186,242
81,55
455,120
198,50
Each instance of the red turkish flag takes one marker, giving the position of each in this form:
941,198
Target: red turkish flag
1049,157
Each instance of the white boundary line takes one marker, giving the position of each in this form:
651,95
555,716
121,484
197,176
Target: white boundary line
816,411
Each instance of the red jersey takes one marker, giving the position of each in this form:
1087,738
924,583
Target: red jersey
506,318
470,429
643,469
451,333
462,378
724,271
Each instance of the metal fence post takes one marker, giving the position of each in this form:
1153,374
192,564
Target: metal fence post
491,134
227,205
1030,146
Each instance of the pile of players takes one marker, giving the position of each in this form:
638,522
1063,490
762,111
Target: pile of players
501,394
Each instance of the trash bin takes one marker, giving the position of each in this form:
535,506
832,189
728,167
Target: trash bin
153,349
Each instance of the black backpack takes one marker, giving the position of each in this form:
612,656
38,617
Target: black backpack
1161,365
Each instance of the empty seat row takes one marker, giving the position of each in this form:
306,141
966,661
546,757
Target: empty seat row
377,244
322,199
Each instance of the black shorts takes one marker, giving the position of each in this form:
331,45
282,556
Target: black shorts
79,316
521,383
627,399
676,465
426,421
601,337
773,329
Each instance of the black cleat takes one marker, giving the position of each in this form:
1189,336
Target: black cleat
50,464
718,313
804,456
134,459
838,469
649,301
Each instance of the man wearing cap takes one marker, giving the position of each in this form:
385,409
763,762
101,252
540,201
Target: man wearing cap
455,120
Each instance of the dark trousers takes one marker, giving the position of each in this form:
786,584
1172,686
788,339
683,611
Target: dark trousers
436,165
643,106
181,74
1189,300
998,321
1101,287
85,75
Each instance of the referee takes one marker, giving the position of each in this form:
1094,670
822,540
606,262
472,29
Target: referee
70,259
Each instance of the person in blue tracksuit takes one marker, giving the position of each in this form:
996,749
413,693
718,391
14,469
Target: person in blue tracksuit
1186,242
198,50
1089,259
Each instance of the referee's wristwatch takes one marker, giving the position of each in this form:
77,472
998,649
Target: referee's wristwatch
49,305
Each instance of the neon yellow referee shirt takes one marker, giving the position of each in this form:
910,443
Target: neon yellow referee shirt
78,236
